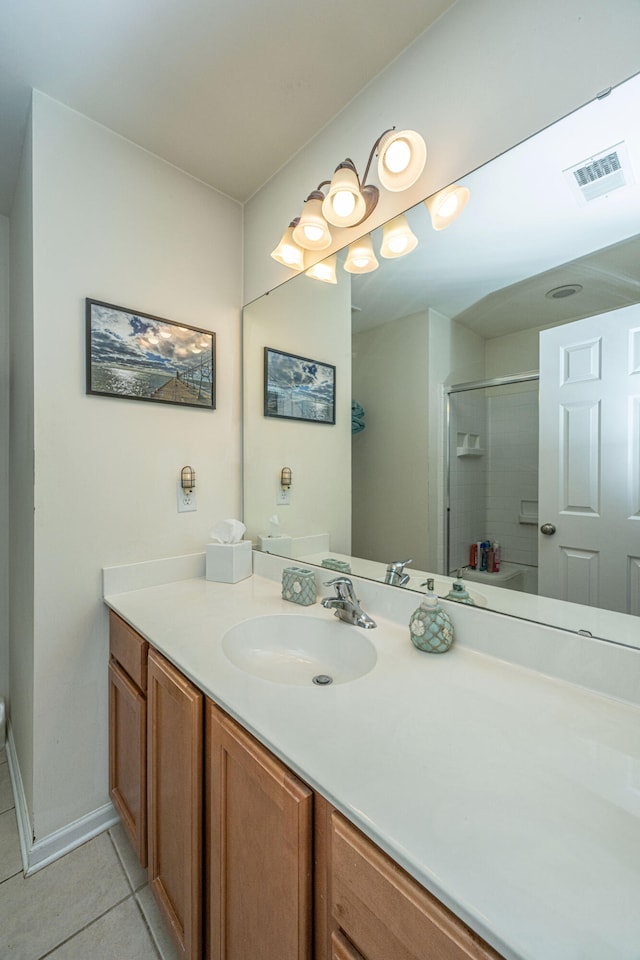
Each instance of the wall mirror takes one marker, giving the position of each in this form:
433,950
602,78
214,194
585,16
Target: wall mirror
496,370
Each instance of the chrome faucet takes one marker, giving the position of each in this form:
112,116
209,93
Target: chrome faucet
395,574
346,605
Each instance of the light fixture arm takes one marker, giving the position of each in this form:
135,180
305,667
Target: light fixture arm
373,153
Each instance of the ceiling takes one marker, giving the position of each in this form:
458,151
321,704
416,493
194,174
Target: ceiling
526,230
226,90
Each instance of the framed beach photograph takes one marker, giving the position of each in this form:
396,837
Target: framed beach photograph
137,356
296,388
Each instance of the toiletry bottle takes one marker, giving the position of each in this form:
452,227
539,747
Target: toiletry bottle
430,628
458,591
496,557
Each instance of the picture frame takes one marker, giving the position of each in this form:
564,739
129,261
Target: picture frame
298,388
138,356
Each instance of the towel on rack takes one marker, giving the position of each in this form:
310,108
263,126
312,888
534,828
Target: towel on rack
357,417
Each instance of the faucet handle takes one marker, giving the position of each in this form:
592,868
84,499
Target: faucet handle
398,565
343,585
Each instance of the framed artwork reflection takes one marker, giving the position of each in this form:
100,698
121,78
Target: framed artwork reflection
298,388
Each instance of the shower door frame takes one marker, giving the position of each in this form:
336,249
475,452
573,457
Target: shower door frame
525,377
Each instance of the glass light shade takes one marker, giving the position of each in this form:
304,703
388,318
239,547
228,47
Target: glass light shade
312,232
398,238
325,270
187,479
446,205
344,204
402,155
288,252
361,258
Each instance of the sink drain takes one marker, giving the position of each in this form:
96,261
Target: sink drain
322,679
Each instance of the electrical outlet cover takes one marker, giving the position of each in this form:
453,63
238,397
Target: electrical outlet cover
186,501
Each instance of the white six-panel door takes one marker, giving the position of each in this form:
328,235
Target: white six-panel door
589,476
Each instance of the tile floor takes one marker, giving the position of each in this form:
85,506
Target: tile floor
92,904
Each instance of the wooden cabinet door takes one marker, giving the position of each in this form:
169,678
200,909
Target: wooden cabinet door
259,843
384,912
128,756
175,746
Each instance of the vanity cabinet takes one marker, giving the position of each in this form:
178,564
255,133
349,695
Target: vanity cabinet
376,910
244,859
128,731
175,751
259,849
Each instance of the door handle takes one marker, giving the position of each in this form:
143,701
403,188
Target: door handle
548,529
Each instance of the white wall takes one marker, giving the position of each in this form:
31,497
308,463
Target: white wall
311,319
21,491
4,457
456,355
114,223
390,380
488,74
513,353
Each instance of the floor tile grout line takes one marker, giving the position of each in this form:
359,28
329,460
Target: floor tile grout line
120,861
43,956
17,873
152,932
135,892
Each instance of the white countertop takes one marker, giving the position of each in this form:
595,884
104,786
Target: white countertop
513,796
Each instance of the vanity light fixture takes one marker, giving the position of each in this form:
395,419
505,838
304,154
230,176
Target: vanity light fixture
401,158
446,205
361,258
285,478
349,200
312,232
345,204
325,270
187,479
288,253
398,238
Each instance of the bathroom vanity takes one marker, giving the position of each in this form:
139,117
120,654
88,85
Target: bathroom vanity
451,807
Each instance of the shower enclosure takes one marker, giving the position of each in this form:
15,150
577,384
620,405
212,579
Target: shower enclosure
492,479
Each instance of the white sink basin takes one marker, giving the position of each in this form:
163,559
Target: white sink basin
295,650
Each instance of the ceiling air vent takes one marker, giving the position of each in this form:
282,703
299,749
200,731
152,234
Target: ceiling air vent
601,174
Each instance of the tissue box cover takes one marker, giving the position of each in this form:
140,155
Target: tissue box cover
228,562
299,585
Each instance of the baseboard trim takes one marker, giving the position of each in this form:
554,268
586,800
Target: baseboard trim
38,854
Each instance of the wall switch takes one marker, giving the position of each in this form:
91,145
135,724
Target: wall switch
186,501
283,497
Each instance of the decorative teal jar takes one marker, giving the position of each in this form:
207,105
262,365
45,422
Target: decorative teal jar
430,627
458,591
299,585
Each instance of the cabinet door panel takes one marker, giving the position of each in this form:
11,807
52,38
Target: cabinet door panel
385,913
260,849
341,949
128,757
129,649
175,802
